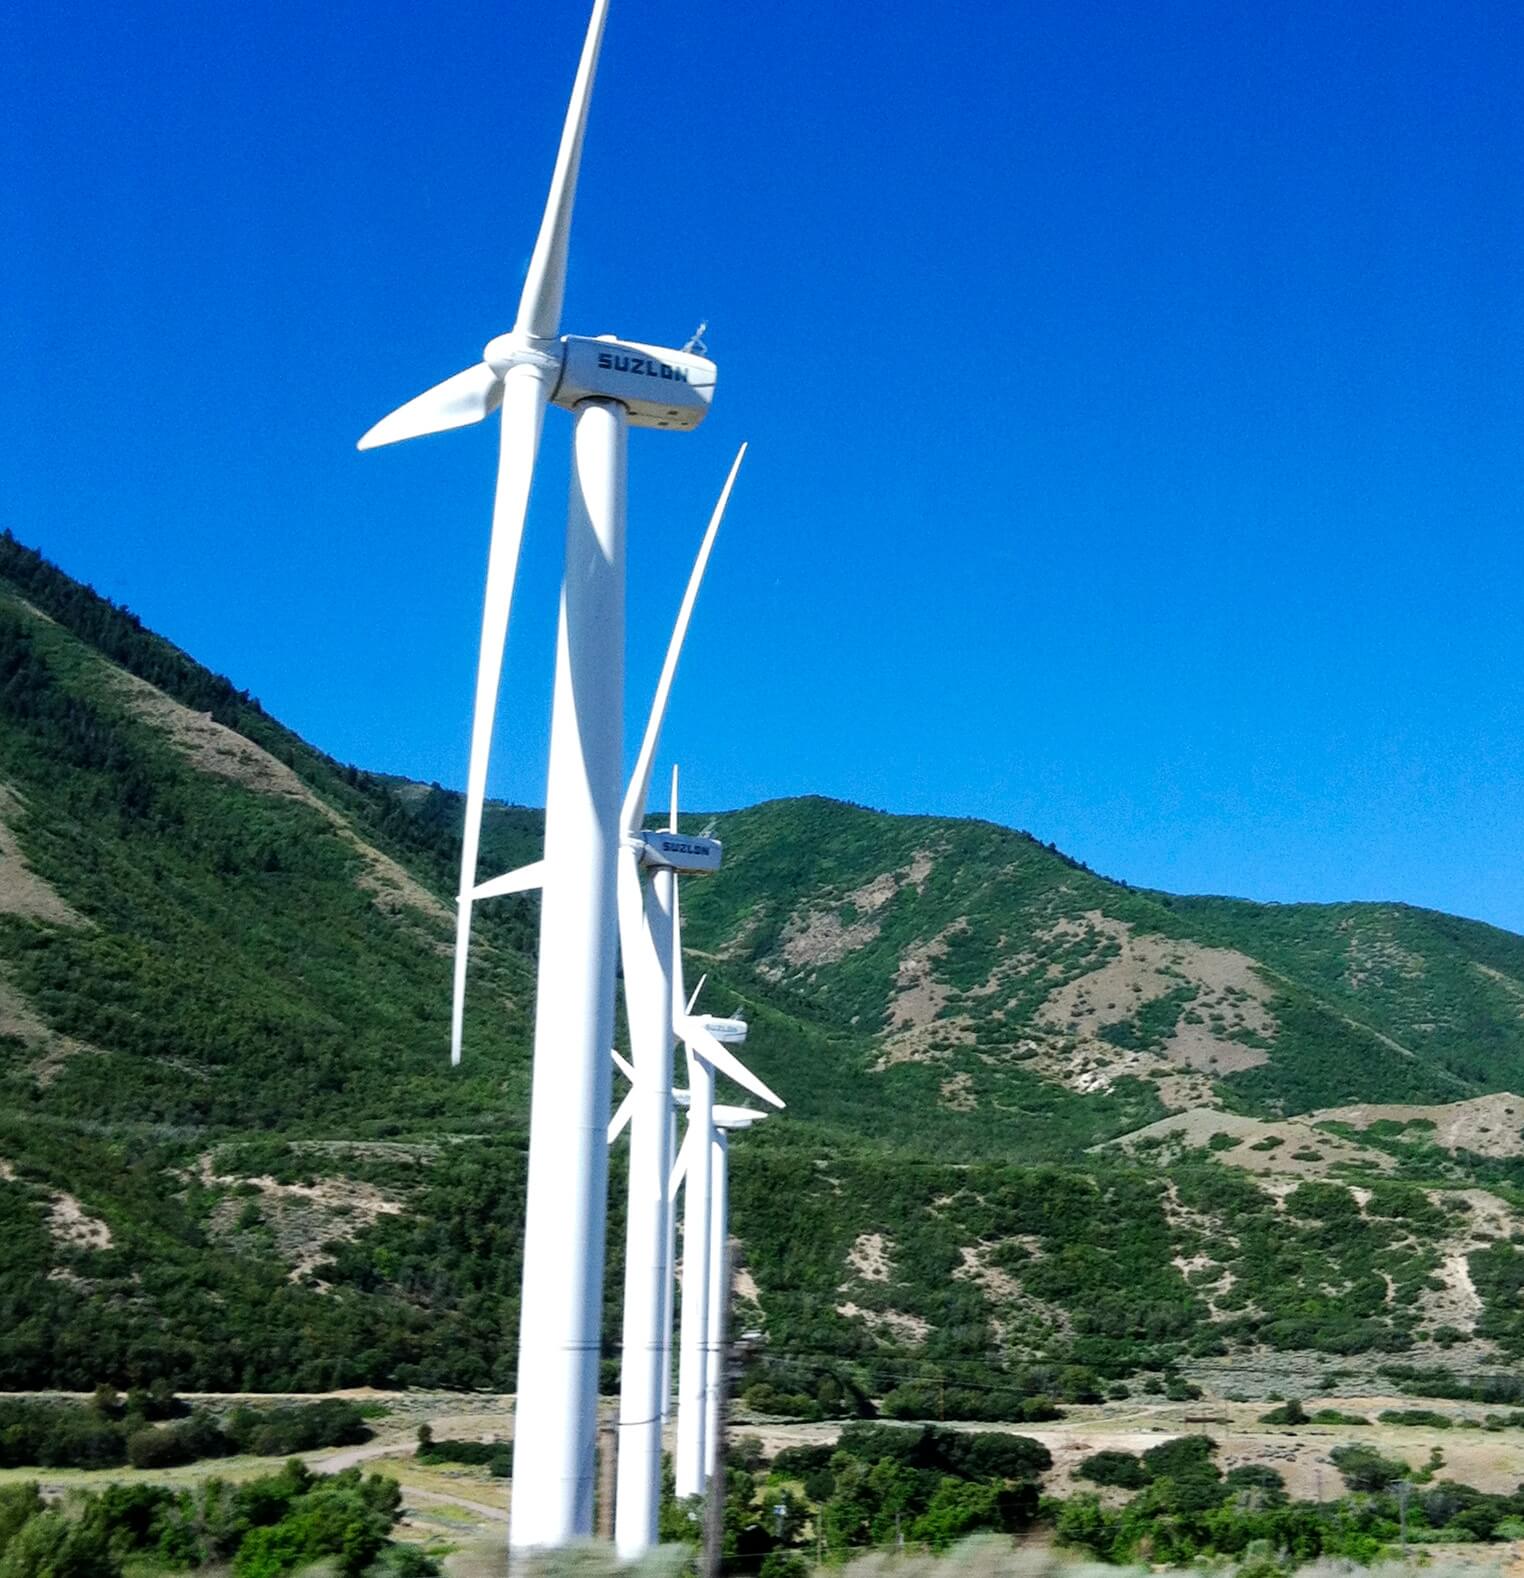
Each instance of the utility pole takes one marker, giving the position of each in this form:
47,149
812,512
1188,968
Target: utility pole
1404,1489
608,1454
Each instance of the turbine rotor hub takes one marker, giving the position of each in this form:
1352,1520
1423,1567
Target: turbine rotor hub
522,350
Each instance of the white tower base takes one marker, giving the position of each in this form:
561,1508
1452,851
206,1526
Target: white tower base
719,1294
555,1424
693,1371
648,1270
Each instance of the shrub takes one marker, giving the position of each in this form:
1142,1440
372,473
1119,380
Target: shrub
1114,1468
1291,1412
1365,1469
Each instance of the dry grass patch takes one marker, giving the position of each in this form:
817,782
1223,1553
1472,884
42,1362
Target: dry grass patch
1489,1125
22,892
302,1218
213,748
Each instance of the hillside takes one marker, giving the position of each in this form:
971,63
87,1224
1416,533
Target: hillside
1042,1126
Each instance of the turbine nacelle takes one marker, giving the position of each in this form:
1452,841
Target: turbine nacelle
658,387
728,1032
684,853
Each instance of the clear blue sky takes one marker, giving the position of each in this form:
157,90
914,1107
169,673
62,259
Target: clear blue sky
1136,395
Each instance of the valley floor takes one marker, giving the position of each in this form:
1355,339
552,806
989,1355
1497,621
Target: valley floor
467,1507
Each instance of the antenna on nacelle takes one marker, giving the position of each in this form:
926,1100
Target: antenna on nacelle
696,340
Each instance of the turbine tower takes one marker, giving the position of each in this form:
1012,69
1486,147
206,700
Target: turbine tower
727,1121
645,945
705,1040
610,385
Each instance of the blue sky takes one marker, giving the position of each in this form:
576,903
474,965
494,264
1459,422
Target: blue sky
1136,396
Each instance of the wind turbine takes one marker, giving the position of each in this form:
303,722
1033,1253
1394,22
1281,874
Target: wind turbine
645,946
610,385
704,1040
707,1040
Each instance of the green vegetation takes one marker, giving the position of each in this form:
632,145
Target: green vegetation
264,1527
1291,1412
234,1156
877,1485
495,1456
1415,1416
924,1489
109,1432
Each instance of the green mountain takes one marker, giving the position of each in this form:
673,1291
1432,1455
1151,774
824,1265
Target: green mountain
1045,1130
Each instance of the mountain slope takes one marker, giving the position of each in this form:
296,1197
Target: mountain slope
232,1152
981,973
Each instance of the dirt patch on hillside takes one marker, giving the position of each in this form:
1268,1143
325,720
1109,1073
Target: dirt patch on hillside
869,1257
956,1093
19,1019
1229,999
1021,1324
1457,1303
301,1218
899,1325
72,1226
917,1033
997,1284
822,937
213,748
1489,1125
1290,1146
826,931
22,891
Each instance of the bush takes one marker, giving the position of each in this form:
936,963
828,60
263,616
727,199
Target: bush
1183,1456
1114,1468
1365,1469
1291,1412
166,1446
495,1456
797,1462
299,1427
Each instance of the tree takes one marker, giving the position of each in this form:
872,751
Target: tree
1084,1523
52,1545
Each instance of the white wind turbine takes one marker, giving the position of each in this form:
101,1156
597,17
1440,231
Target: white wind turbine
646,918
645,945
707,1040
648,1108
704,1039
610,385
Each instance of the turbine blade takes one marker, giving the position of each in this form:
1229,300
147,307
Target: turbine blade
457,402
545,283
640,781
622,1117
736,1115
722,1060
523,399
637,953
680,1166
623,1064
696,990
678,989
520,881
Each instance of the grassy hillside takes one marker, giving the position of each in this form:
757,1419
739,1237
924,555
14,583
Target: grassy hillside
1044,1129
